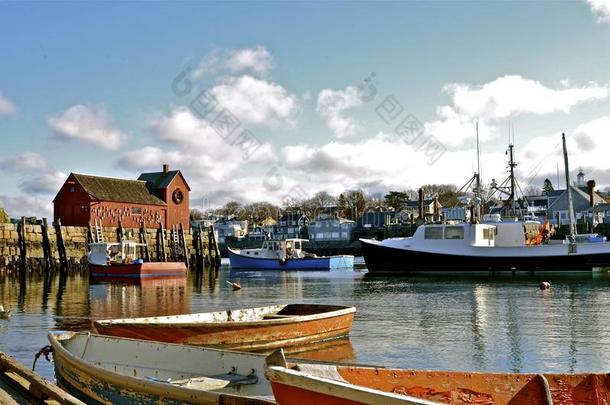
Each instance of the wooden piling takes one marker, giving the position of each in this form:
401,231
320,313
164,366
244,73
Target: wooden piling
161,252
185,251
61,247
214,246
201,257
22,245
89,234
46,247
120,232
144,240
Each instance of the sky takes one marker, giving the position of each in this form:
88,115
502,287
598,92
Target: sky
279,100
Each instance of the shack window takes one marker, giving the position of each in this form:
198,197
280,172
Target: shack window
136,211
454,232
433,232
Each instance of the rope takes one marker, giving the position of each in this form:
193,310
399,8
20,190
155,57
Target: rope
46,351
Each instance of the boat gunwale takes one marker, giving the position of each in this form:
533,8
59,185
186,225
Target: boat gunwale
137,384
237,252
145,321
338,389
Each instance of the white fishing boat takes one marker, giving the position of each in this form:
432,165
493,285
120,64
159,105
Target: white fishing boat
493,245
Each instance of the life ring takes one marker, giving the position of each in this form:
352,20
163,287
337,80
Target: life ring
283,261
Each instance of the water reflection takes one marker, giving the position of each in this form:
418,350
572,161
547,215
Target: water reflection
470,322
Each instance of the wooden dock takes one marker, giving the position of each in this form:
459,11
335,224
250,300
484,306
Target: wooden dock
20,385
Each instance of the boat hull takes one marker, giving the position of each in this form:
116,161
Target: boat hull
235,335
106,370
336,384
307,263
149,270
381,259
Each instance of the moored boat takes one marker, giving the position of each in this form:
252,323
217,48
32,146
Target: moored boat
251,329
109,370
119,260
286,254
295,384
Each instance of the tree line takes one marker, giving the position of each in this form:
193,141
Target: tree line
350,204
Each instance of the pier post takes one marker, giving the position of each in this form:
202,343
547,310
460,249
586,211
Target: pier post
185,251
22,246
120,232
46,247
89,233
214,245
201,258
144,239
61,247
161,252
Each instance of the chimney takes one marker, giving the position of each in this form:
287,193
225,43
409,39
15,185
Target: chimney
421,203
590,187
165,168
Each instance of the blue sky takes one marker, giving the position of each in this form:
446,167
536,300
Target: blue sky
87,87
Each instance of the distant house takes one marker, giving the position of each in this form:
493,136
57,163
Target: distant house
159,197
227,229
559,208
326,227
431,207
377,219
292,224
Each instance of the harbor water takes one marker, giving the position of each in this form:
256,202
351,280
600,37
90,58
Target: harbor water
477,322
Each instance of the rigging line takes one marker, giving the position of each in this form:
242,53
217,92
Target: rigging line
538,166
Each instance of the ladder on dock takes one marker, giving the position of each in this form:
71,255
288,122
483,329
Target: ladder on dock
98,232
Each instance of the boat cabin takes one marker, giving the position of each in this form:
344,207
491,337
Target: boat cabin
278,249
105,253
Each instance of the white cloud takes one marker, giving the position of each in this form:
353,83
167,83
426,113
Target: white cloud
256,60
193,146
256,101
601,8
7,107
504,97
27,205
46,183
88,124
510,95
333,104
25,163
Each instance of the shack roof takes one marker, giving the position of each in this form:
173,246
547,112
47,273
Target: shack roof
114,189
161,180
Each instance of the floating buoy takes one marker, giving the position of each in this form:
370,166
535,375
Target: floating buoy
545,285
235,286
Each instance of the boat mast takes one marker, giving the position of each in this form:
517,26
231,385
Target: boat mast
569,189
512,165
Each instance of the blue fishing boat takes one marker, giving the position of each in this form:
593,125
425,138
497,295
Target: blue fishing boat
286,255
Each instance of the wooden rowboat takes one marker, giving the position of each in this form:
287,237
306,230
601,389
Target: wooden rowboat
347,385
252,329
109,370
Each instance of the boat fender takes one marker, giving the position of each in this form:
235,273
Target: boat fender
283,261
545,285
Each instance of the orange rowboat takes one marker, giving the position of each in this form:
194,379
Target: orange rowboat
252,329
348,385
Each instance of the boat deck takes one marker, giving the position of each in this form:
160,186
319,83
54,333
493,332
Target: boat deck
19,385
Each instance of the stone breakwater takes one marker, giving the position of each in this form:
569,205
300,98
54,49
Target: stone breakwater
75,243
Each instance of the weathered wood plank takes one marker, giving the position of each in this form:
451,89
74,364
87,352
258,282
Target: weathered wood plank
31,384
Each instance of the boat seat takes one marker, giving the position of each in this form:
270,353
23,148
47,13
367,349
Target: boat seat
215,382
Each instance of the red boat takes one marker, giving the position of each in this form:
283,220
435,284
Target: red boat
251,329
344,384
119,260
